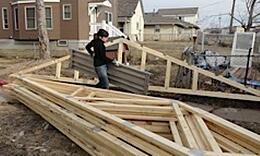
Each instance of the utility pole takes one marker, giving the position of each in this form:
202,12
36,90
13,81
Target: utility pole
219,20
232,15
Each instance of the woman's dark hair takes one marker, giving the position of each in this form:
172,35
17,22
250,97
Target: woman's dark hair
102,33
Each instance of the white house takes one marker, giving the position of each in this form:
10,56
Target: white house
190,14
131,18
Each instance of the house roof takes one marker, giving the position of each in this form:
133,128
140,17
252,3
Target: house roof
126,8
157,19
179,11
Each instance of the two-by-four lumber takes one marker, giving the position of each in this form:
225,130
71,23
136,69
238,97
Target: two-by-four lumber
175,133
77,91
99,92
46,64
63,79
143,60
127,101
193,68
205,93
58,70
77,123
250,139
132,139
196,133
76,75
120,53
206,134
195,78
187,138
168,74
228,145
159,141
165,110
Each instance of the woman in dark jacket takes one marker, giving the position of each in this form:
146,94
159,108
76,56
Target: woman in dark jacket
100,59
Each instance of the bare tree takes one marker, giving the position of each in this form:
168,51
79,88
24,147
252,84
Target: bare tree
250,4
251,14
42,31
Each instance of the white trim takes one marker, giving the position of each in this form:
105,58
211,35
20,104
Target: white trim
106,3
25,18
49,6
108,12
16,25
3,19
63,12
33,1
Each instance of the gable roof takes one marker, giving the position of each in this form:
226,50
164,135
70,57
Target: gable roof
179,11
126,8
157,19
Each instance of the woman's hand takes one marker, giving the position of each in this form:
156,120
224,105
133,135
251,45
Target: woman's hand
116,63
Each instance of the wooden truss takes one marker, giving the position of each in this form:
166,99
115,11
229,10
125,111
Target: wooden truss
105,122
194,90
252,94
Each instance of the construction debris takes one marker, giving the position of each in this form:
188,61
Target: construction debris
125,77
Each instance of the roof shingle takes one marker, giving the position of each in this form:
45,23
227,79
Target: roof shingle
157,19
179,11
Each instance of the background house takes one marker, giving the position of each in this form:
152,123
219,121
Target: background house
190,14
131,18
167,28
67,20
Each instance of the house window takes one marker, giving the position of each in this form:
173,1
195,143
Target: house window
16,21
67,12
157,28
30,18
5,18
48,12
137,26
109,17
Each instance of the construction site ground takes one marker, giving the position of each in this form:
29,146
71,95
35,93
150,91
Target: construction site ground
22,132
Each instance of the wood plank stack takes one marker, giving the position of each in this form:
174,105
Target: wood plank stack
105,122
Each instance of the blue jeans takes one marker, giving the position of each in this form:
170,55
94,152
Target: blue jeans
102,76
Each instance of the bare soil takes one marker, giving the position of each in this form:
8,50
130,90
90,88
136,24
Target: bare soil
24,133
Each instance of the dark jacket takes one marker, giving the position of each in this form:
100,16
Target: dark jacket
99,52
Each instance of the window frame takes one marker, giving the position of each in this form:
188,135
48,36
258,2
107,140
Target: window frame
63,12
3,18
25,17
107,13
16,19
49,6
157,27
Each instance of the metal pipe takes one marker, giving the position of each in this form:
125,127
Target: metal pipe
247,66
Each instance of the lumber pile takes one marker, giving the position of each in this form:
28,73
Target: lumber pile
105,122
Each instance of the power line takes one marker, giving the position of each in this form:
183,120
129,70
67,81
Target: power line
212,4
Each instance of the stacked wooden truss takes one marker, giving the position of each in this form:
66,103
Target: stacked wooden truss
105,122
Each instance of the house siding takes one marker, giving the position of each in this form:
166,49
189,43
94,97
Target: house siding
5,34
137,18
69,28
168,32
75,29
83,20
23,34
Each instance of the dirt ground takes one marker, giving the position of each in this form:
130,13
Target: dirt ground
22,132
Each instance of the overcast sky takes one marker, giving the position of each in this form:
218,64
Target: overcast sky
209,10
